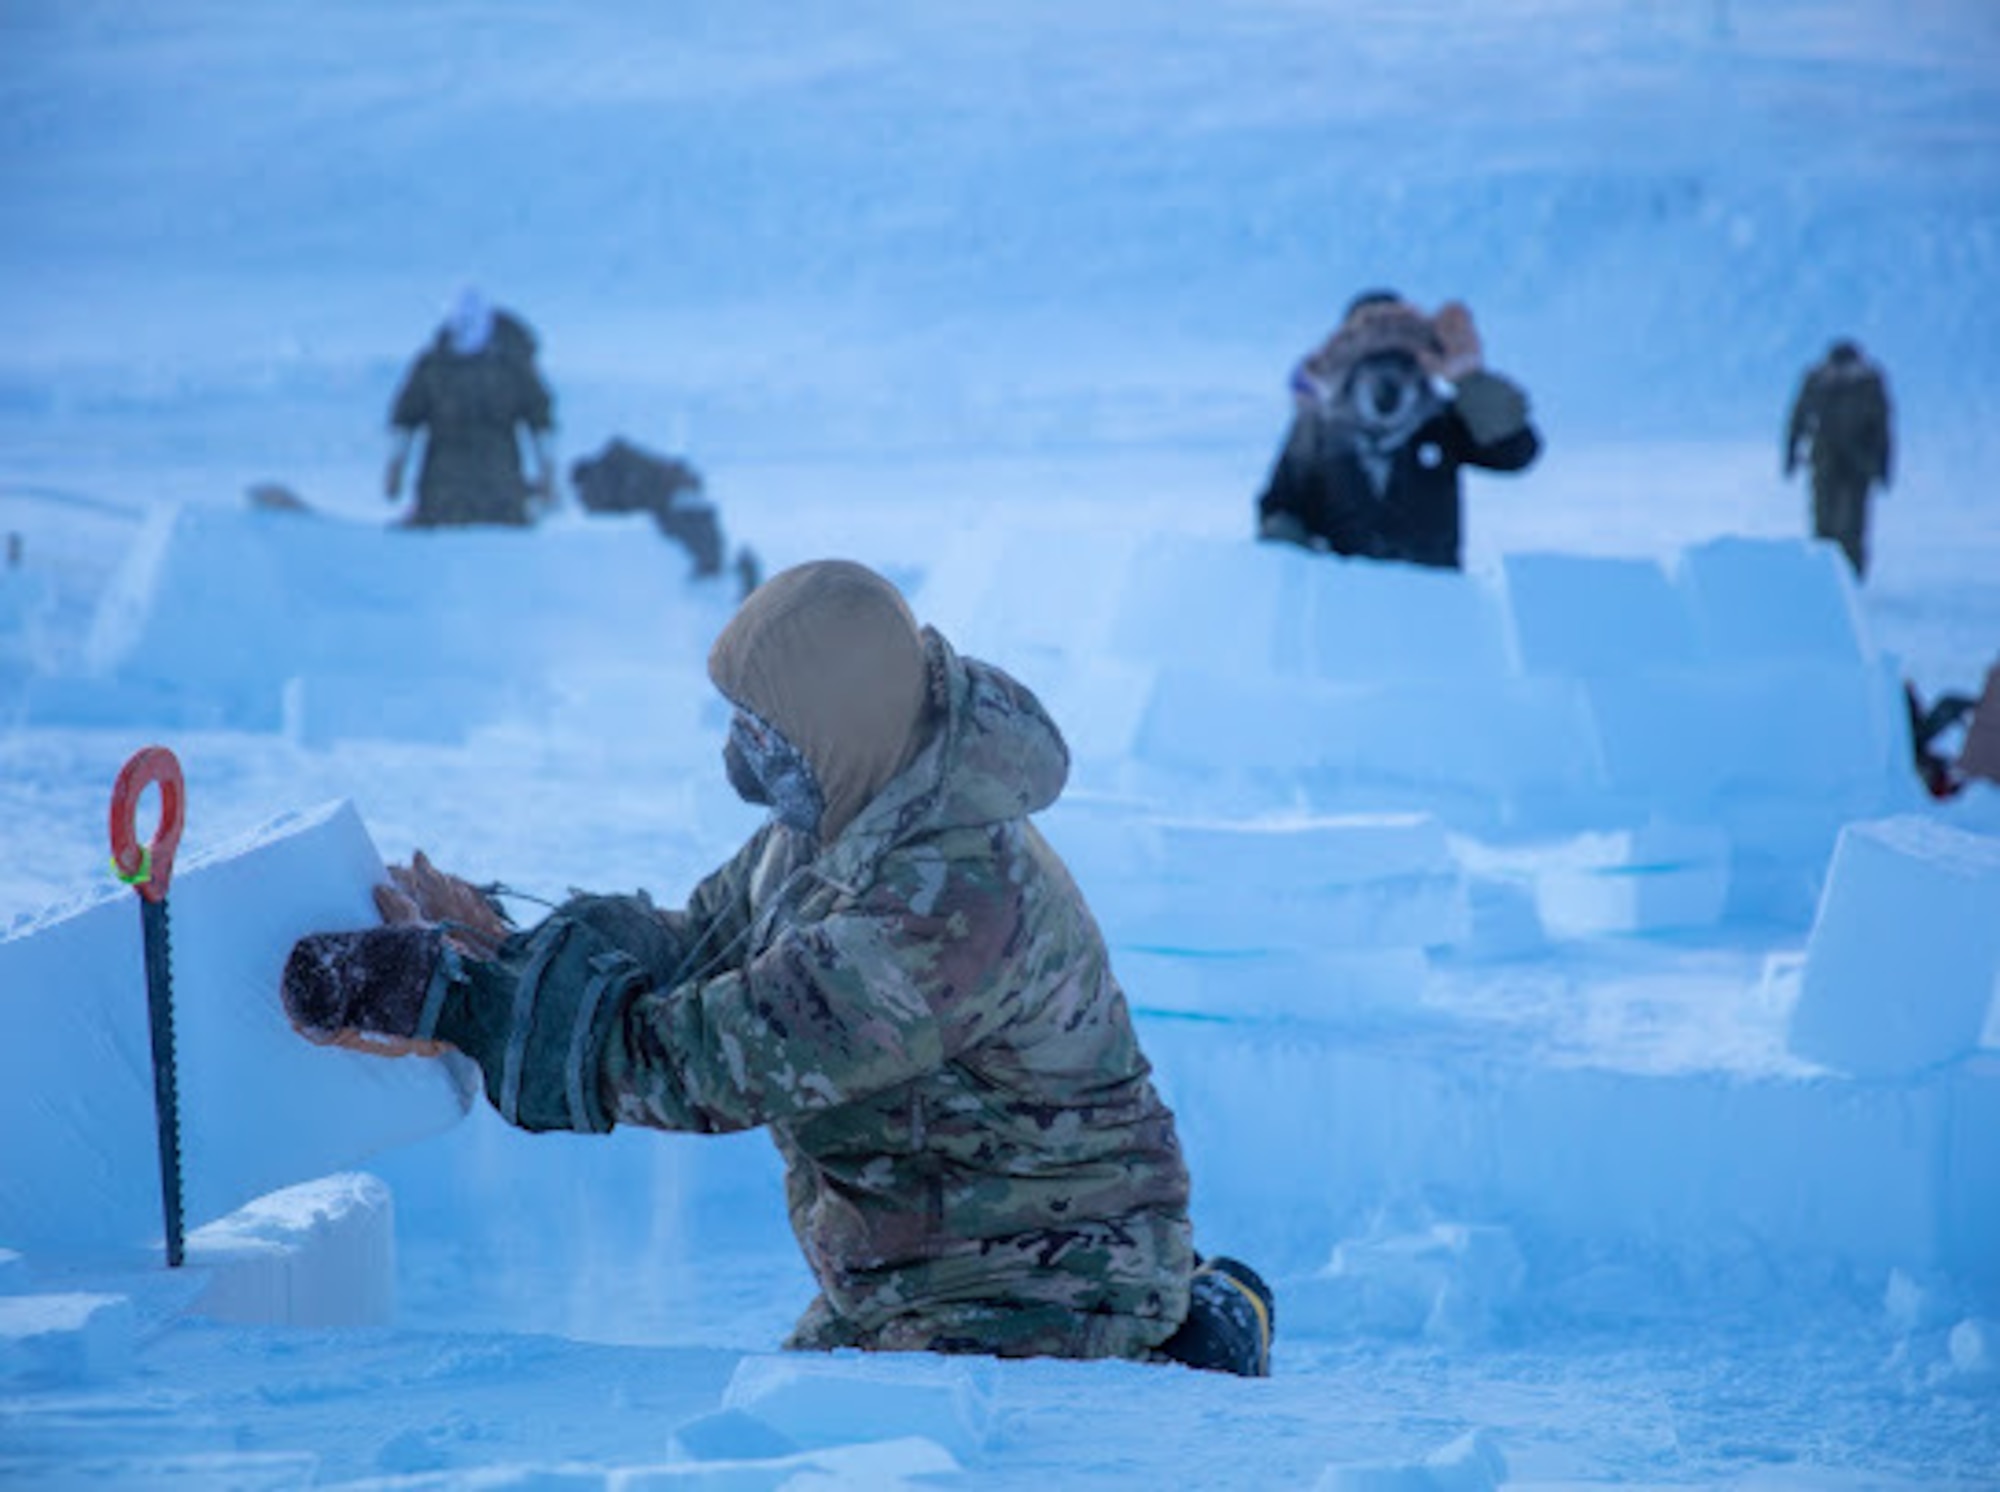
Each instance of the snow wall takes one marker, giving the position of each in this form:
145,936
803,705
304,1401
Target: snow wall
1299,783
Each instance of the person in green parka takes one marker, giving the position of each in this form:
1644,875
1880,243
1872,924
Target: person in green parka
896,976
473,393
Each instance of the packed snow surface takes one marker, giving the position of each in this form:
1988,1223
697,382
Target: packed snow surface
1568,997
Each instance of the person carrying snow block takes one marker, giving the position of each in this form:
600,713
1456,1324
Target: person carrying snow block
1386,412
1841,419
470,391
895,975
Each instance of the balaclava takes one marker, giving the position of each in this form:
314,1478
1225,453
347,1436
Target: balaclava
827,656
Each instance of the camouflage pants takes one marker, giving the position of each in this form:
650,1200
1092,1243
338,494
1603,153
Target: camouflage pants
1840,513
986,1328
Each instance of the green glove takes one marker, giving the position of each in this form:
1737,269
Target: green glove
1492,407
536,1016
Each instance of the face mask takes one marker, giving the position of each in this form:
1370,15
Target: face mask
1387,393
767,770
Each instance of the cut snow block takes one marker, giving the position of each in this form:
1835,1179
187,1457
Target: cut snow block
1372,623
261,1108
843,1400
1342,987
1655,878
319,1254
67,1339
1291,881
1008,590
1904,956
1418,910
1589,615
1972,1173
1803,730
1770,599
1217,604
218,608
1495,742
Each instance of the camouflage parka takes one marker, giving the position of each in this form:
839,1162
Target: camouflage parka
923,1014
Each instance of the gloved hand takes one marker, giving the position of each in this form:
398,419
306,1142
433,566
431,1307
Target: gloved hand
1459,351
1791,460
534,1016
420,892
1492,407
392,478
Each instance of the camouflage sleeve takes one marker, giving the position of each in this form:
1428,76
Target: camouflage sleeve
832,1011
717,915
819,1019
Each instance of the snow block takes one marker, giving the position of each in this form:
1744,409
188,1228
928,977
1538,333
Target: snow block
1471,1463
1651,879
1972,1173
1478,750
261,1108
66,1339
319,1254
1904,957
1266,882
1362,987
1214,605
881,1466
334,601
1773,599
1589,615
841,1400
1396,624
1802,730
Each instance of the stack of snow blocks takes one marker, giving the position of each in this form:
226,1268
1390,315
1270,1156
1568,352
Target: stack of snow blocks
1900,995
1668,745
278,1229
334,654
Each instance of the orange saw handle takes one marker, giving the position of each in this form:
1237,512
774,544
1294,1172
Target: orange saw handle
147,868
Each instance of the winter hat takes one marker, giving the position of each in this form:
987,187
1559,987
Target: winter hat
1376,297
829,654
468,324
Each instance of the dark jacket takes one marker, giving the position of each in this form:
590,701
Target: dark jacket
1842,415
1319,481
469,406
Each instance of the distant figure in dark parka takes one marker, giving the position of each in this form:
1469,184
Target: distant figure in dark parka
1842,417
470,391
1386,412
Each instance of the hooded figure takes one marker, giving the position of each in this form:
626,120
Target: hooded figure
472,392
1386,412
1841,417
895,976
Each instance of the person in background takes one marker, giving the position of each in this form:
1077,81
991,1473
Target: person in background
1385,414
1841,420
1945,774
895,976
472,392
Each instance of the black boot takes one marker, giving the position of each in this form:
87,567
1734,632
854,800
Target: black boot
1230,1322
375,991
